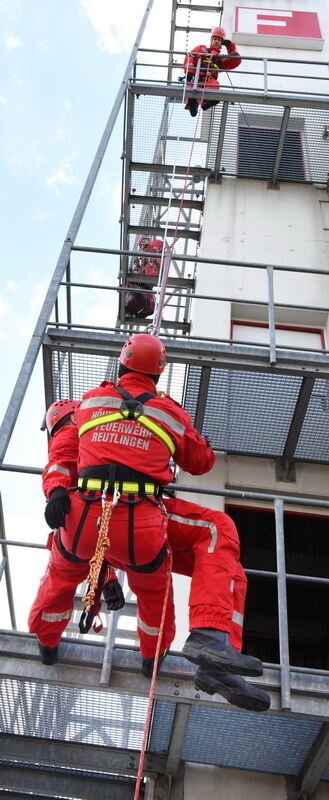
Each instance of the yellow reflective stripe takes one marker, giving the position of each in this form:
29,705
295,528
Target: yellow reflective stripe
94,484
148,423
92,423
158,431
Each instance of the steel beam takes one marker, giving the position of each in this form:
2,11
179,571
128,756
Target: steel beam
180,233
315,764
80,664
202,397
220,142
198,352
282,136
59,782
180,169
180,722
154,200
177,283
234,96
305,394
97,758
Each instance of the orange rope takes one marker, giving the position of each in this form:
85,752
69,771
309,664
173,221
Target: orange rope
103,543
153,681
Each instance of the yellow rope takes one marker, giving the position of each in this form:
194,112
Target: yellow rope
103,543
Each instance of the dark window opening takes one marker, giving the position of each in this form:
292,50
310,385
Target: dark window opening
257,150
307,553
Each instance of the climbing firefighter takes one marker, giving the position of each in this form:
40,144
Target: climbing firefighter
212,62
138,304
65,570
204,543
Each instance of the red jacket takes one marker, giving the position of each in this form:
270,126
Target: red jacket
128,442
211,60
63,450
143,265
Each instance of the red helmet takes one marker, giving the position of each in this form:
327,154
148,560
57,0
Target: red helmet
57,411
218,32
143,352
143,241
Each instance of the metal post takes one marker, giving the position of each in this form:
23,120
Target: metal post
24,376
282,605
271,314
111,634
6,566
265,76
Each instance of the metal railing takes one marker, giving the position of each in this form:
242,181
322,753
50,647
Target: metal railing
278,502
296,77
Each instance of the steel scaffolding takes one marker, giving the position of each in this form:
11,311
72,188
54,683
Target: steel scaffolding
78,725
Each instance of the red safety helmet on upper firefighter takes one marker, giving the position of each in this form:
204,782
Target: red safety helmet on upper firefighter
143,241
57,411
218,32
143,352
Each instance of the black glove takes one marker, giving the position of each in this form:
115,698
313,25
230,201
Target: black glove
113,595
57,506
226,42
190,76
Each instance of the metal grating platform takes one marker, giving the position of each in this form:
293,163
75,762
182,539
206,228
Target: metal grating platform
238,739
233,407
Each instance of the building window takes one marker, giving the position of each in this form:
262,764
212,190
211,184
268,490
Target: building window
257,149
285,335
307,556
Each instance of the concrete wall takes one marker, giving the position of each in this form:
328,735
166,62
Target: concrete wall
231,784
246,221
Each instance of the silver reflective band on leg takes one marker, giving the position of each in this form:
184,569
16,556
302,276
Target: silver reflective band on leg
56,616
146,628
237,618
199,523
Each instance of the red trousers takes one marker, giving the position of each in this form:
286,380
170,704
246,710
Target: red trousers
204,545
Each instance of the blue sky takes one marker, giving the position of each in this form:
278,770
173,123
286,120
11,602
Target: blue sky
62,62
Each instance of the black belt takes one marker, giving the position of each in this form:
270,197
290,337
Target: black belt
117,476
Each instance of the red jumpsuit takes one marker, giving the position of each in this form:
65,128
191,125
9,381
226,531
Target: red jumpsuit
142,305
212,62
137,533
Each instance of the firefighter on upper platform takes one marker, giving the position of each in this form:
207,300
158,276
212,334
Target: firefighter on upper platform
138,304
212,62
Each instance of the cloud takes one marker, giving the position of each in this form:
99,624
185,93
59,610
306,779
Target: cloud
3,100
11,42
62,176
116,28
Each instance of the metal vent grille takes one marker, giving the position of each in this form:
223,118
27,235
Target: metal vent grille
76,373
238,739
253,121
57,712
245,412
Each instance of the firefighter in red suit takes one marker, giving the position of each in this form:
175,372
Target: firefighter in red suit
142,305
205,543
212,62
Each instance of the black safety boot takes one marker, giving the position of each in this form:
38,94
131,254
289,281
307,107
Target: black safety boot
48,655
209,646
208,104
234,688
192,106
148,664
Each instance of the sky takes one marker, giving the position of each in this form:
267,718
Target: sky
62,62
